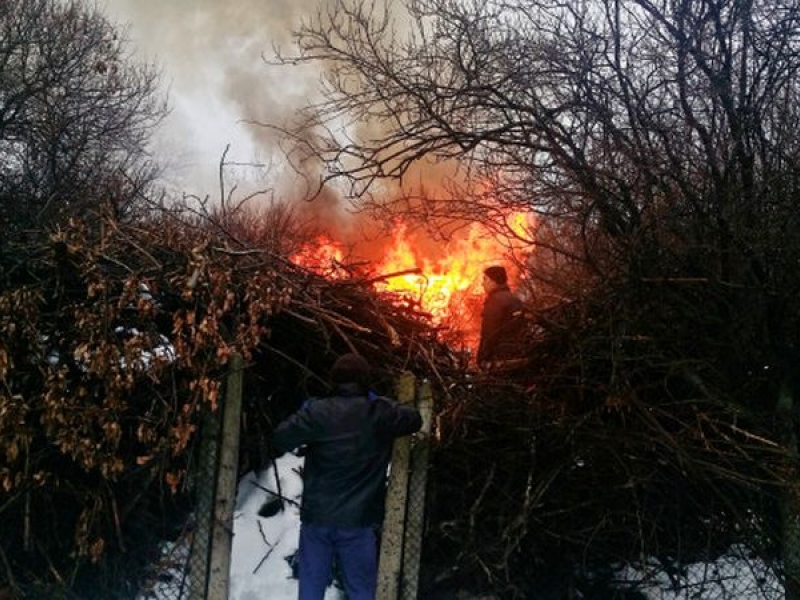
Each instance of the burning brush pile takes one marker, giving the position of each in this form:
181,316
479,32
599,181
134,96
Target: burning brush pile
542,481
598,452
116,343
118,336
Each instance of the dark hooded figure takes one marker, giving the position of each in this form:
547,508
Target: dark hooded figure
348,438
501,323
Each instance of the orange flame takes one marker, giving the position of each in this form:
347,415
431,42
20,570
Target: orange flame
323,255
446,286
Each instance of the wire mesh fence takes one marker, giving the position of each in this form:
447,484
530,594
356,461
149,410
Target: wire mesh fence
205,491
401,543
197,566
415,509
170,580
182,572
737,575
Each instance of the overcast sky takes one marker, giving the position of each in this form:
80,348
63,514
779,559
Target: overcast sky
211,55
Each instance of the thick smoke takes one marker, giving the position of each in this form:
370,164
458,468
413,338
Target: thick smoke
212,55
215,61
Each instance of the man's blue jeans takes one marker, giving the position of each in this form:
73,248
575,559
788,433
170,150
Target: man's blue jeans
356,550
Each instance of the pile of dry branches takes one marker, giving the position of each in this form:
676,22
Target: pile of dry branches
546,483
117,341
118,337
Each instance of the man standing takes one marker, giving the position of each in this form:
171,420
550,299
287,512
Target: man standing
349,438
501,323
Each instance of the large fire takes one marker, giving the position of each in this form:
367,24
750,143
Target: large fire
443,280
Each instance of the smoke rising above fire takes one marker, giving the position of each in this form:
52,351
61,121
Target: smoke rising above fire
212,55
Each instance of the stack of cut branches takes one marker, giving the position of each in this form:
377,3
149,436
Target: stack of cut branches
116,343
549,483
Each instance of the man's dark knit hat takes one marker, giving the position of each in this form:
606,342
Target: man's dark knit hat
350,368
497,274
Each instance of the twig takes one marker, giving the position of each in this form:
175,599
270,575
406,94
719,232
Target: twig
277,495
414,271
268,553
50,565
9,573
117,525
290,359
237,252
277,480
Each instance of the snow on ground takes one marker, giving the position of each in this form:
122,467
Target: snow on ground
262,546
735,575
264,543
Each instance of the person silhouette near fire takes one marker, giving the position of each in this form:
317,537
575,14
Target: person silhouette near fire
501,322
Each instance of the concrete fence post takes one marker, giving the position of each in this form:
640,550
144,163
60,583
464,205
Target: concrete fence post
390,561
227,479
415,517
403,527
790,500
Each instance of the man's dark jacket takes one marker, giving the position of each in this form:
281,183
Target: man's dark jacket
501,325
349,445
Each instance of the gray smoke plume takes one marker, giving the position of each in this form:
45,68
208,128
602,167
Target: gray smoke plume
212,55
215,56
